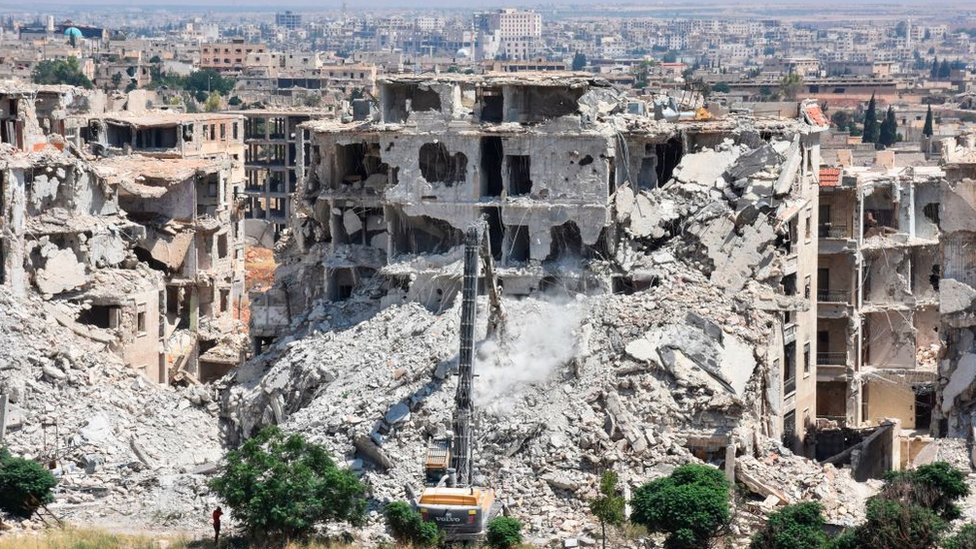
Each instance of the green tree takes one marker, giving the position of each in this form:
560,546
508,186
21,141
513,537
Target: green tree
934,71
61,71
579,61
155,59
213,103
408,527
798,526
691,506
911,511
24,485
116,80
841,119
670,57
871,129
888,134
234,101
928,129
609,505
894,525
944,69
935,486
721,87
965,538
790,86
207,81
504,533
280,484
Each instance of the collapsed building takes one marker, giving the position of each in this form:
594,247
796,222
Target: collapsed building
31,115
957,290
181,177
580,197
142,254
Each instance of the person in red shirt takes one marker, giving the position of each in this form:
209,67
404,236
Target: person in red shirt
216,524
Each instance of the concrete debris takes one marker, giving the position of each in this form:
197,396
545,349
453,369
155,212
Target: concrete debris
610,403
125,450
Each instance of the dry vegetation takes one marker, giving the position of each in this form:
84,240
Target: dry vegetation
72,538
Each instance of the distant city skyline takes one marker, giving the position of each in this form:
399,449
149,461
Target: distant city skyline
318,5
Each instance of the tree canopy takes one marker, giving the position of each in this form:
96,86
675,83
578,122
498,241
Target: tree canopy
280,484
579,61
61,71
691,506
871,130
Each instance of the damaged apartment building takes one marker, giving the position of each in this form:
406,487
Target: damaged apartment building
180,176
123,246
579,194
878,289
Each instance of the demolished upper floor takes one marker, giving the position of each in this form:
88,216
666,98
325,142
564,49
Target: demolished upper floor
33,117
166,134
543,102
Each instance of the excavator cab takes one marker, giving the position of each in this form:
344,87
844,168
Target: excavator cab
461,513
438,461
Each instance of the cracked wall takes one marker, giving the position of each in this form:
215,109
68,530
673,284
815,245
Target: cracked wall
957,295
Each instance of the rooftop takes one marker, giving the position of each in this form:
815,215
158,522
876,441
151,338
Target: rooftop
148,176
526,78
165,118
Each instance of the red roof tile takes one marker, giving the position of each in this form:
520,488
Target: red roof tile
816,115
829,177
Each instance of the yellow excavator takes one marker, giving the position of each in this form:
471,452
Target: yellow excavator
450,499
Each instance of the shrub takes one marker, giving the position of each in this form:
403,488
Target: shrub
25,485
691,506
798,526
965,538
895,525
911,511
504,533
408,527
935,486
281,484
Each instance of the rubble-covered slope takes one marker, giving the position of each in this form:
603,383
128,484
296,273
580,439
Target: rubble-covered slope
560,401
124,449
673,372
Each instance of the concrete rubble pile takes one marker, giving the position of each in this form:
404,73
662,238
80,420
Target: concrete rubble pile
637,381
125,451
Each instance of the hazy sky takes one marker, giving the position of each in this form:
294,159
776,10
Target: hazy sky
802,9
326,4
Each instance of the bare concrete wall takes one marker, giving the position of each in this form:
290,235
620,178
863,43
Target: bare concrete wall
886,398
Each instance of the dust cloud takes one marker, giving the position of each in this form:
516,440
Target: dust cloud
542,335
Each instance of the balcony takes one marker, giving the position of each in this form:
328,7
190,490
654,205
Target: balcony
833,230
832,358
833,296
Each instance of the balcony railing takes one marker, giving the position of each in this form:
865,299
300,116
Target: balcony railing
831,358
833,230
833,296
